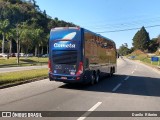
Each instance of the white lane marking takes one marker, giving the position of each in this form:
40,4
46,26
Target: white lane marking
89,111
116,87
95,106
126,78
135,68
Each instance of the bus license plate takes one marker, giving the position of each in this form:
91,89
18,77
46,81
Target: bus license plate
64,78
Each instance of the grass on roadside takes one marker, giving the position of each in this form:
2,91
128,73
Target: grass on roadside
143,58
12,61
148,61
12,77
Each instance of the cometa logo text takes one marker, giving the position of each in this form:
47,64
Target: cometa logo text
56,45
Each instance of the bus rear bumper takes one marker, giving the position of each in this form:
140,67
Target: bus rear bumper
66,78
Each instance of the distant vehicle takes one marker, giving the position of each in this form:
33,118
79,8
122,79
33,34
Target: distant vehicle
0,54
3,55
77,55
29,55
39,55
20,54
12,55
45,55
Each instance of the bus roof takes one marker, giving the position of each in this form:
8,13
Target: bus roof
61,28
97,34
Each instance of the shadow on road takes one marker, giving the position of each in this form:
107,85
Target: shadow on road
135,85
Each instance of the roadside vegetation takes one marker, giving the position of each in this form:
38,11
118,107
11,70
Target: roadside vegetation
21,76
142,42
143,57
24,61
25,28
143,48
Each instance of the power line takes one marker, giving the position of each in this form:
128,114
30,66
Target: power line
129,24
127,29
134,22
126,25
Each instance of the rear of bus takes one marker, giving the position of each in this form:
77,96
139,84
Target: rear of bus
65,55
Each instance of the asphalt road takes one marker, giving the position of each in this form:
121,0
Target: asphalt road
135,87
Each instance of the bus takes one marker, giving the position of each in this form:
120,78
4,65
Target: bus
77,55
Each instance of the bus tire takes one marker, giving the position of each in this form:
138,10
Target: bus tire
97,77
92,77
111,72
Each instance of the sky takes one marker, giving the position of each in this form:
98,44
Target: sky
108,17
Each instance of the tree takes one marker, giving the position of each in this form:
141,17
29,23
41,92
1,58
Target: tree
4,26
26,38
158,41
10,36
123,50
153,45
37,39
0,44
141,39
18,34
17,12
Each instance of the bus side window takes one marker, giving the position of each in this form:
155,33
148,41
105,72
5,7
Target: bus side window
86,63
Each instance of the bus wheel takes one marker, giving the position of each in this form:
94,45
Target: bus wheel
97,78
92,79
111,72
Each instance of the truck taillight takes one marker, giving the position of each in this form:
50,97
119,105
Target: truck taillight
49,66
80,68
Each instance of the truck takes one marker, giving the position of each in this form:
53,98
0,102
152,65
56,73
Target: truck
77,55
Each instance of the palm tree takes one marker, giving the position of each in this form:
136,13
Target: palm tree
4,26
10,36
37,39
18,34
158,41
27,38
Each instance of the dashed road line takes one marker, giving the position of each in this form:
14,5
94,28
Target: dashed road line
89,111
126,78
116,87
135,68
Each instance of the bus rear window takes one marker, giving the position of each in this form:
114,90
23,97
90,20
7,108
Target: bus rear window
64,57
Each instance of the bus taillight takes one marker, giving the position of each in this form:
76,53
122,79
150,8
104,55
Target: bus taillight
80,69
49,66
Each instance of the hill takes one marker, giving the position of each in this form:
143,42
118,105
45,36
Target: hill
24,21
